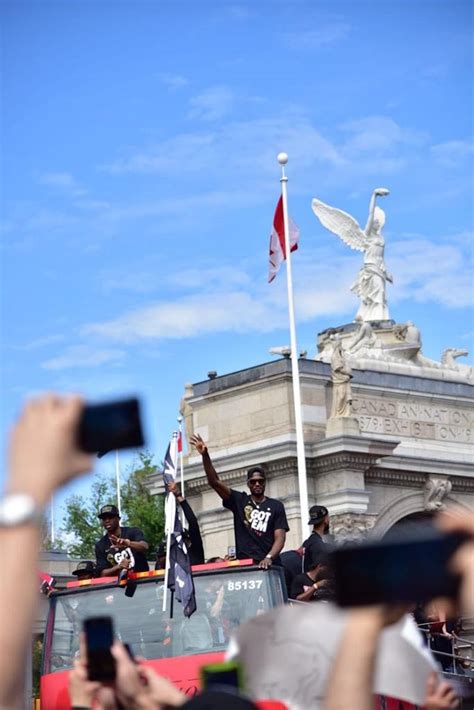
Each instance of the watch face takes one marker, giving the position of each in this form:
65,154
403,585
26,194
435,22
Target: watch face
18,508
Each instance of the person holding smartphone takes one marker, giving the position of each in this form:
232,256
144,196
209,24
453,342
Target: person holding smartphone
120,548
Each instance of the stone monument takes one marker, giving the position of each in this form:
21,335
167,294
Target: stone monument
388,431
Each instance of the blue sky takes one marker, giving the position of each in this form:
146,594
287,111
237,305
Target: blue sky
139,175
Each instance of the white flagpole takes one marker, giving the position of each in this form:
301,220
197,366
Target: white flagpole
170,514
300,452
117,480
181,465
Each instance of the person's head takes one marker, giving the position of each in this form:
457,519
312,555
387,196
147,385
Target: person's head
110,518
212,560
84,570
319,519
325,571
319,562
256,481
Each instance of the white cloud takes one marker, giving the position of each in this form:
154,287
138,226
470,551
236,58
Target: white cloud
43,342
230,311
206,278
63,181
184,207
235,148
238,12
424,271
173,81
83,356
427,271
132,280
92,205
453,154
212,105
247,150
317,38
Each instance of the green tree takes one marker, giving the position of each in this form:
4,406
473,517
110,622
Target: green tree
81,524
83,528
140,508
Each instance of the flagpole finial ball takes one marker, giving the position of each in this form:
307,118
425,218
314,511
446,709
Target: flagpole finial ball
282,158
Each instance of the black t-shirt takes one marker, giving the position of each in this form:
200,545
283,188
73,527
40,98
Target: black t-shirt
255,524
107,555
300,584
315,550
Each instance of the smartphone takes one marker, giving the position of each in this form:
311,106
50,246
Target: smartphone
109,426
217,675
128,649
99,638
402,569
231,551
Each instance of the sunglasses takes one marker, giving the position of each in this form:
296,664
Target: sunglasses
253,481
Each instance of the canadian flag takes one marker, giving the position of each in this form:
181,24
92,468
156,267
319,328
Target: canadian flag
277,240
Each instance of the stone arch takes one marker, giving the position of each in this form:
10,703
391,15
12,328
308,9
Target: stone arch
406,504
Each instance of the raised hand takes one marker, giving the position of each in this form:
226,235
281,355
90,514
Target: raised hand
198,444
43,452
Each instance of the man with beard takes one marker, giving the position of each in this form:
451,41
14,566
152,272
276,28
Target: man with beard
260,523
121,547
314,544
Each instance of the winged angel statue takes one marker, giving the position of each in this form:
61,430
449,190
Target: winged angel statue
371,279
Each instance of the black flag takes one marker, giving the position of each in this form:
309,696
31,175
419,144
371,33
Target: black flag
180,578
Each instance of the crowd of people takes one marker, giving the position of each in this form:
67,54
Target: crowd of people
43,455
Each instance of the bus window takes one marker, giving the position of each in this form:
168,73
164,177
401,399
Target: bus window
225,599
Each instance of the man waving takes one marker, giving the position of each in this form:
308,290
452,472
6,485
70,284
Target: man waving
260,523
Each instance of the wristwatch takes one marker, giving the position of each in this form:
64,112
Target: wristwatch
269,557
19,509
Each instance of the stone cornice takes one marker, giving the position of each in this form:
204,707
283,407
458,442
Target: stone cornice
413,479
380,379
429,465
343,460
395,477
462,485
375,447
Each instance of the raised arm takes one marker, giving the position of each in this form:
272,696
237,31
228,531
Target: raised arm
212,477
362,631
378,192
193,525
370,220
43,455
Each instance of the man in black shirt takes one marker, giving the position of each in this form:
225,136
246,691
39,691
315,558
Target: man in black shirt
121,547
314,544
260,523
